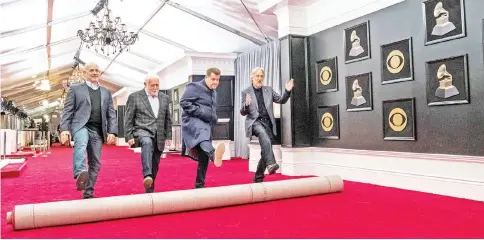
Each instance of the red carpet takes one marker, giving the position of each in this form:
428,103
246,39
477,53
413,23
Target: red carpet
361,211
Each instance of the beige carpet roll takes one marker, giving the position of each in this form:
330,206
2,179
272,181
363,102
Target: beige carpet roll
100,209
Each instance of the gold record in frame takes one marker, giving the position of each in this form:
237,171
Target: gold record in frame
397,119
395,61
325,75
327,122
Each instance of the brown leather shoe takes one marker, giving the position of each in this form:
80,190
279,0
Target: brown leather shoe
147,182
81,180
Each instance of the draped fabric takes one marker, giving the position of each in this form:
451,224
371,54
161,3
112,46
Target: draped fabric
267,57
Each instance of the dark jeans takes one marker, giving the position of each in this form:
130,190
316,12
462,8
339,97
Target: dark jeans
205,154
262,129
150,159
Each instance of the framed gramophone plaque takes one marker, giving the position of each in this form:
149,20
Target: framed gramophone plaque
357,42
447,81
359,95
444,20
327,75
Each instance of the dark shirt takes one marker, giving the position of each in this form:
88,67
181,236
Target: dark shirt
95,119
263,115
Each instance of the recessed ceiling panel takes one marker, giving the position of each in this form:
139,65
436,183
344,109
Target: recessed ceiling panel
30,57
23,41
118,70
68,8
69,28
62,61
195,33
88,56
235,15
21,14
137,61
156,49
134,12
65,47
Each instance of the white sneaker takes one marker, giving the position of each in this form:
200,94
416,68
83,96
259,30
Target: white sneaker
219,152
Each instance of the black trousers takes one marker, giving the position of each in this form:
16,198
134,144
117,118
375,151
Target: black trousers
205,152
150,159
262,129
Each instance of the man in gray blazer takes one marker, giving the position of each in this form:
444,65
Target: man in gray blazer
89,117
147,122
260,122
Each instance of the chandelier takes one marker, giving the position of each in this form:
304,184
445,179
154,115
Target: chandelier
76,77
107,35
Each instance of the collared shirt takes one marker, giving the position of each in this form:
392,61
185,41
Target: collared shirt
94,86
154,102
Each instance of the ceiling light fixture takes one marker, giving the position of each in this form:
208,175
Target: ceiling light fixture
107,35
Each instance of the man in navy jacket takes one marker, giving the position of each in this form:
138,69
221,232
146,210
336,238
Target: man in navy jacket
199,116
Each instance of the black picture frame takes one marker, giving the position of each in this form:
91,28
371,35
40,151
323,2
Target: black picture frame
362,101
396,62
452,28
328,122
445,92
399,120
363,52
327,75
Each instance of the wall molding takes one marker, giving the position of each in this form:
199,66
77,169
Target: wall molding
449,175
323,14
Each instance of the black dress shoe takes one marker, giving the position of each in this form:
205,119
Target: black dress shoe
87,197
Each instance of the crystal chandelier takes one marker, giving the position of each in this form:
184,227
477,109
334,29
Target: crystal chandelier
76,77
107,35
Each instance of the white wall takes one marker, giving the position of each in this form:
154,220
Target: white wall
195,64
175,74
295,17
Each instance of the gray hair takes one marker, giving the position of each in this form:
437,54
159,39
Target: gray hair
255,70
150,77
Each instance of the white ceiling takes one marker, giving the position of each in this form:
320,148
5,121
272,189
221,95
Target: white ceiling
39,39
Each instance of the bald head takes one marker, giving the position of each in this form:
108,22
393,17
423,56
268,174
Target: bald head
152,84
92,73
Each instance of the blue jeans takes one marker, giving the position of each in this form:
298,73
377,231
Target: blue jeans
87,141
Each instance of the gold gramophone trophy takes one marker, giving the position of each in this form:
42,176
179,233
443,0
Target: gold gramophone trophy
445,89
442,25
356,48
358,98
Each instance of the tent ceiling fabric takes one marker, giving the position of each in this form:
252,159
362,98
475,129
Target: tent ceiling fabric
39,39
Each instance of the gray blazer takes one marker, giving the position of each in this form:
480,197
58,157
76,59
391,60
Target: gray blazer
252,111
77,110
140,121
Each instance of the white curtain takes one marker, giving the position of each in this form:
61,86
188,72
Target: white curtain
267,57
